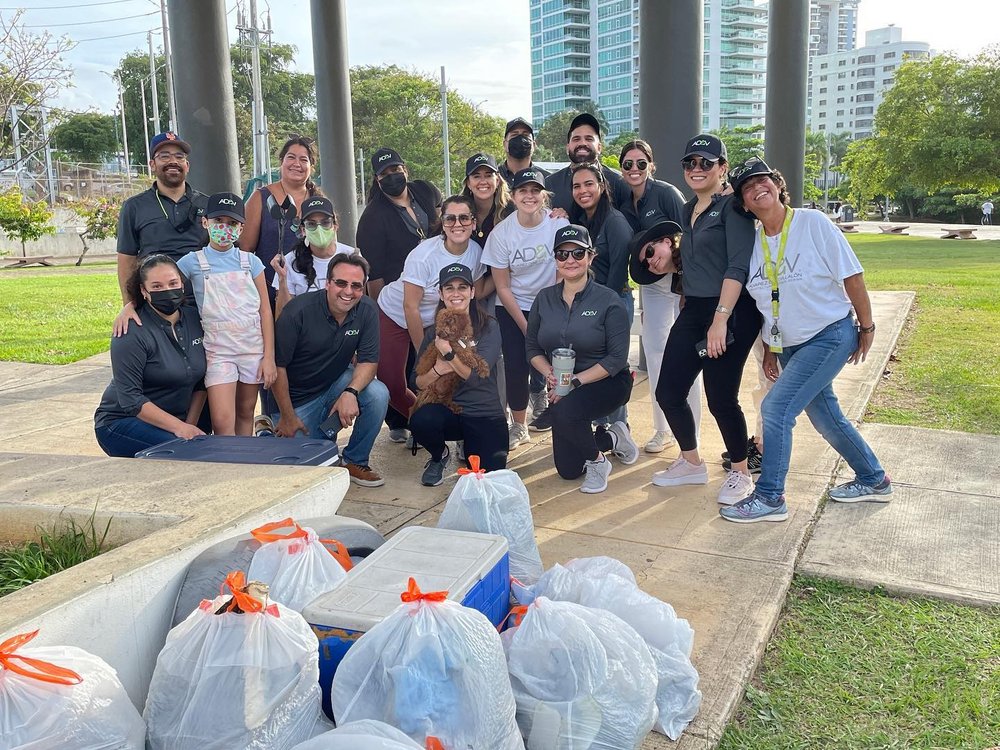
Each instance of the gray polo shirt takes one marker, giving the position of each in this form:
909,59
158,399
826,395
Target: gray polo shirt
150,222
717,247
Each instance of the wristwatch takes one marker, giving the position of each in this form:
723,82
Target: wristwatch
352,391
723,309
869,329
448,357
575,382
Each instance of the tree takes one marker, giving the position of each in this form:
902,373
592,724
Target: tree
742,142
23,220
89,137
101,217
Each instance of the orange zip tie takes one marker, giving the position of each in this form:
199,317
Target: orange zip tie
414,594
36,669
474,467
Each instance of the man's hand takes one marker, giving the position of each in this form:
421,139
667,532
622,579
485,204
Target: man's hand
347,407
289,425
128,313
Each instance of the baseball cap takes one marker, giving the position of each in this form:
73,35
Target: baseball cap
584,118
706,146
524,176
225,204
383,158
658,230
573,234
476,161
518,122
743,172
455,271
168,137
318,205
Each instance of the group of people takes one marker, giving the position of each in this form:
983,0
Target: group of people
326,335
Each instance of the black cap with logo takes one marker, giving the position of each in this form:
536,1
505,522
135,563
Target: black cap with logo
573,234
226,204
584,118
318,205
476,161
706,146
455,271
525,176
384,158
518,122
743,172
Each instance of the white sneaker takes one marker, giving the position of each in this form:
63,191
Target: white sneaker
661,440
680,472
625,447
738,486
596,479
517,434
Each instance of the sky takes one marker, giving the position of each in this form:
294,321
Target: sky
483,44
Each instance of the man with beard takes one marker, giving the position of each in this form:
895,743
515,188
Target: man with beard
519,144
165,219
583,146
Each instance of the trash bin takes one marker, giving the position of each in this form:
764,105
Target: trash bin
848,213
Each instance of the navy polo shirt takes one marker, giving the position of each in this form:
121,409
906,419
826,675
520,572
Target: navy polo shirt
150,222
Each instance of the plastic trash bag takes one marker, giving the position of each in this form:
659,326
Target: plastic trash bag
605,583
297,566
63,697
583,679
496,502
245,678
361,735
431,668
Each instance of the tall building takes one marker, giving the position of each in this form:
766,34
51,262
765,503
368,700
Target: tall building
833,26
733,82
848,86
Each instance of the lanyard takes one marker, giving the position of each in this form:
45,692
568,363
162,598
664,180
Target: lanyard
771,269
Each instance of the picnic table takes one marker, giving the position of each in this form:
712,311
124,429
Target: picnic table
894,228
848,228
962,233
31,260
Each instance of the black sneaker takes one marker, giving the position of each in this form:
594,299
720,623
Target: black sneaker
541,423
434,470
754,457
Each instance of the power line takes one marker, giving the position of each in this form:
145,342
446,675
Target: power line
116,36
62,7
87,23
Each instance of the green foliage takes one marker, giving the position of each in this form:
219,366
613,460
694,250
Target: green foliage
23,220
89,137
101,221
742,142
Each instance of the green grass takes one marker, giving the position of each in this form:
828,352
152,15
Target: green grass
948,372
864,670
56,318
57,549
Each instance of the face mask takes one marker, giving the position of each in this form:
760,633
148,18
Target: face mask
224,235
320,237
167,301
519,147
393,184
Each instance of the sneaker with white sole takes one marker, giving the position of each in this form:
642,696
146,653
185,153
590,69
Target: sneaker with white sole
516,435
541,421
856,491
625,447
681,472
538,402
756,508
399,435
434,470
738,486
596,479
661,440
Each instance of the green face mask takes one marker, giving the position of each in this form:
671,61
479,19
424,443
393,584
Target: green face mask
321,237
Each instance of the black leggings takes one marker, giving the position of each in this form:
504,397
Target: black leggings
486,437
722,376
517,369
574,442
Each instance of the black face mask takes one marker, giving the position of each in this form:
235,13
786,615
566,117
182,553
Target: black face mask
393,184
519,147
167,301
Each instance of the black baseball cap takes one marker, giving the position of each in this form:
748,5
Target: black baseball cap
585,118
226,204
524,176
383,158
167,138
657,231
743,172
455,271
706,146
518,122
573,234
476,161
318,205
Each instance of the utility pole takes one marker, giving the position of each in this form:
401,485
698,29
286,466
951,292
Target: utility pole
169,67
50,177
152,83
145,125
444,134
121,105
361,171
250,38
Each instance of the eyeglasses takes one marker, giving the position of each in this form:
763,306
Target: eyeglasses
178,156
639,164
356,286
578,253
325,223
693,163
449,220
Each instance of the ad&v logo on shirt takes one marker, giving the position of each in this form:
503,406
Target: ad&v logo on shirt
527,256
786,273
352,332
588,313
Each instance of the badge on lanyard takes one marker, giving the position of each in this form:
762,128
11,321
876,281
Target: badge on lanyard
771,271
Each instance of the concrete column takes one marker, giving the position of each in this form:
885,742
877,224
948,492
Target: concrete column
787,84
670,73
333,111
204,93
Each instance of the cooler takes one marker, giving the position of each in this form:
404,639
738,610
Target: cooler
234,449
473,568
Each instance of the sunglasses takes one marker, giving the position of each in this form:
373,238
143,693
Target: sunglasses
639,164
450,220
578,253
356,286
651,249
325,223
693,163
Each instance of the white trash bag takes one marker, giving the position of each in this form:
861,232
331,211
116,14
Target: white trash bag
583,679
63,697
246,678
605,583
432,668
496,502
297,566
361,735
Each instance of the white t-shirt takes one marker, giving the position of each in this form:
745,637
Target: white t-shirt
296,282
527,253
423,268
988,207
810,279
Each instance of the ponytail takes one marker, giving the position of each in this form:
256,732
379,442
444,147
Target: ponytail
303,262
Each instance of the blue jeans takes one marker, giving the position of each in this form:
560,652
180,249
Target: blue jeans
372,402
123,438
806,383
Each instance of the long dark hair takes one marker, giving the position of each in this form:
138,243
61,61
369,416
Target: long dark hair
303,260
477,314
578,216
133,287
309,145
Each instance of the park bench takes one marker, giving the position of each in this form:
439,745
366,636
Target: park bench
848,228
959,234
894,228
31,260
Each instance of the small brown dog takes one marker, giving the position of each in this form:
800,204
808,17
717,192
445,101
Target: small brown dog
455,327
